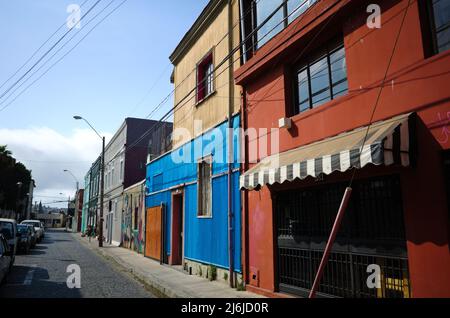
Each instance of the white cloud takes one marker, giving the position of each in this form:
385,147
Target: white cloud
47,153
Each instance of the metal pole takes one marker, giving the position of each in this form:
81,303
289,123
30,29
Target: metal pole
230,145
102,180
326,253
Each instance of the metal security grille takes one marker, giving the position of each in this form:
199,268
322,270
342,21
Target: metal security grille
372,233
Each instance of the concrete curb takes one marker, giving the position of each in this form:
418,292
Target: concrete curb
160,286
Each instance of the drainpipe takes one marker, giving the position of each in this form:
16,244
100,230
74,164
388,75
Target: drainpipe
230,142
244,194
244,45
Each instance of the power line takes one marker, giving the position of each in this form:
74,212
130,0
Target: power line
54,54
38,49
61,58
381,87
47,52
184,100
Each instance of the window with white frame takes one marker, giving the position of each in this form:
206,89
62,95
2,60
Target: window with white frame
204,187
112,176
121,170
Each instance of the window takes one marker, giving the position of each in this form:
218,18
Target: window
272,16
439,15
121,170
204,187
205,77
112,176
372,232
136,216
322,79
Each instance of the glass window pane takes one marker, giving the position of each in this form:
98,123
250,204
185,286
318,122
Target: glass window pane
443,40
441,9
264,8
320,82
303,90
339,72
297,7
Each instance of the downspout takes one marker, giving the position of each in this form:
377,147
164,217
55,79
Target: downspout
243,151
230,142
242,34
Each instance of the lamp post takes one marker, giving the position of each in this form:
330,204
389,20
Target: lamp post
73,176
102,169
18,205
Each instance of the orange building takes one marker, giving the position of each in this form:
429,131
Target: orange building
339,90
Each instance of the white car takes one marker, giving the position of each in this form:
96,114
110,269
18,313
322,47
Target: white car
8,228
38,226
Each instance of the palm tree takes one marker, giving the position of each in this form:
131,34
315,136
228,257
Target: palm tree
4,151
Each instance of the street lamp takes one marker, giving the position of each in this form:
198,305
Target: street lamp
75,178
18,210
102,166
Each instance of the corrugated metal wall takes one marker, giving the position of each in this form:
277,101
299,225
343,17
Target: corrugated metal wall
206,239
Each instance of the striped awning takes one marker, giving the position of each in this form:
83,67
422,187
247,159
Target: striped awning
388,142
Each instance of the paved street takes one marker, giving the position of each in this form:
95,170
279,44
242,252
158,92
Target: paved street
42,273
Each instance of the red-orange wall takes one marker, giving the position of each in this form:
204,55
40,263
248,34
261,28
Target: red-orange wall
414,84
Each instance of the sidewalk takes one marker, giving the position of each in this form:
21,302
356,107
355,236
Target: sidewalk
165,280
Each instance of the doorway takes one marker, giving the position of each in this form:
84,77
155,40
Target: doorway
153,233
176,255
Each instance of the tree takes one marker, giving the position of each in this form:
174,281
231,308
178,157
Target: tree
14,182
4,151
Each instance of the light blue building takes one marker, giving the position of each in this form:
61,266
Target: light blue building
86,197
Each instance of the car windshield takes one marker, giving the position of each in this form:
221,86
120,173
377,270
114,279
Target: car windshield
31,223
22,229
6,229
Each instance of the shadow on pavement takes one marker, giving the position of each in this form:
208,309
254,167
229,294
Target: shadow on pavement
33,282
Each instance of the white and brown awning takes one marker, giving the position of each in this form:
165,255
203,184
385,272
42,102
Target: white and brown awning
388,142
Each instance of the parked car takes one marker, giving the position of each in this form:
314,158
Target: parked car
43,229
33,235
37,226
5,258
8,227
24,238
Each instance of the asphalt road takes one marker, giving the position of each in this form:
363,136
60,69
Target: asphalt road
42,273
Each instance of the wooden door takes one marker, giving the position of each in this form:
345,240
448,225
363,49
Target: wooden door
153,225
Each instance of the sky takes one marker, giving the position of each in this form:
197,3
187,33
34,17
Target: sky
121,69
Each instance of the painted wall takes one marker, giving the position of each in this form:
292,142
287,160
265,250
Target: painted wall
205,239
416,84
212,110
134,237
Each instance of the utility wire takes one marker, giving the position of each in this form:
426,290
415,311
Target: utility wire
54,54
381,88
47,52
39,48
61,58
185,98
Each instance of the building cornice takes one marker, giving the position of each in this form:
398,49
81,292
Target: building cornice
209,13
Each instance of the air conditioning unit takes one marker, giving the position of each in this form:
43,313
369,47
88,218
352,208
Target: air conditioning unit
284,123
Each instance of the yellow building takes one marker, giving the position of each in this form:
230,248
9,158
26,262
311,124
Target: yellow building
203,79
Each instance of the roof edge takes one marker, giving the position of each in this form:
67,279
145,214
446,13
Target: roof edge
209,13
